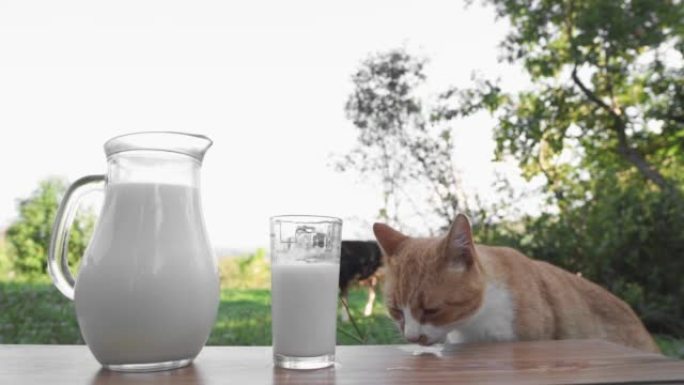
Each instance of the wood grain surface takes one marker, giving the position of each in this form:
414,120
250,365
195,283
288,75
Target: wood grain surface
543,362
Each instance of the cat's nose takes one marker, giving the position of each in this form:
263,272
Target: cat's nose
422,339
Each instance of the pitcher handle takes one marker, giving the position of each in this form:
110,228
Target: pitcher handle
58,262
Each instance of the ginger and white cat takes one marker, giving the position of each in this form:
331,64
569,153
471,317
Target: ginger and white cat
451,290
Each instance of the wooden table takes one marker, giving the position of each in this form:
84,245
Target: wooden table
544,362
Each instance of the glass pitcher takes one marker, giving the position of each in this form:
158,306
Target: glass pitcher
147,292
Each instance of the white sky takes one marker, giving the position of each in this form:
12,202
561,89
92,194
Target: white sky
266,80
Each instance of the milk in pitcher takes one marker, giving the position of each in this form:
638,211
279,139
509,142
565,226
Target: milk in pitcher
147,290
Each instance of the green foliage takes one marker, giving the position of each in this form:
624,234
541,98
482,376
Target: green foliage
247,272
608,78
603,124
29,235
5,263
670,346
627,239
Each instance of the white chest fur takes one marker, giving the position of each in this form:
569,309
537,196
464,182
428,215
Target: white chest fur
492,322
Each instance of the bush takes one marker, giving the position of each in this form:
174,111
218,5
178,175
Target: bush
628,239
252,271
29,236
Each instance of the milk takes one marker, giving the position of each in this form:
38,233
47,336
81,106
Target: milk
304,308
148,288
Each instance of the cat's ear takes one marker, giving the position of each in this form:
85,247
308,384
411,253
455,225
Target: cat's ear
460,248
388,238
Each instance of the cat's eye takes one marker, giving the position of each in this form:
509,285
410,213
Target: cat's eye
396,313
429,312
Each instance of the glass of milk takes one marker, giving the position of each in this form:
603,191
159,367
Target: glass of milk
305,267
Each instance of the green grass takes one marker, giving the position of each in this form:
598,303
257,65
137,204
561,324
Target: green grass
39,314
36,314
670,346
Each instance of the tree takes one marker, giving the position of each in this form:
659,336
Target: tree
407,144
608,79
29,235
603,123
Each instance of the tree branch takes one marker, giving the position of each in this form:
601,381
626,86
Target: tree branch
637,160
592,96
609,80
624,149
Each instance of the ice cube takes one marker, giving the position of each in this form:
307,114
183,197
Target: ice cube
303,236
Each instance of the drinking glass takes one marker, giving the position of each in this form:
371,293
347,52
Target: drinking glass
305,266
